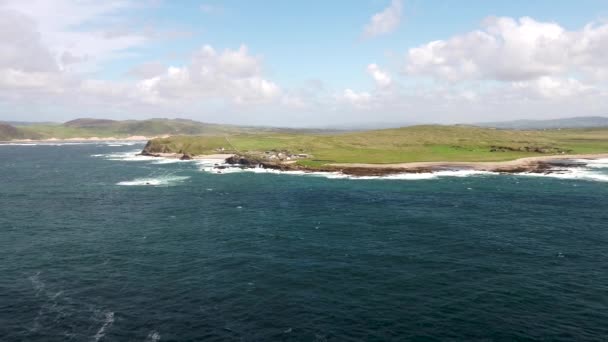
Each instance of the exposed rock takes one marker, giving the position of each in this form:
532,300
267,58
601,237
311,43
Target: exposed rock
244,160
534,149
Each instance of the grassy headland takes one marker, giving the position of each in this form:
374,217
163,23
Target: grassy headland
410,144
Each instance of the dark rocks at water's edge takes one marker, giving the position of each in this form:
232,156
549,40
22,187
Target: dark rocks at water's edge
532,149
540,167
262,161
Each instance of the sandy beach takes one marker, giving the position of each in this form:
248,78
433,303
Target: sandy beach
499,166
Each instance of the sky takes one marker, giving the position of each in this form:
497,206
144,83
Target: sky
307,63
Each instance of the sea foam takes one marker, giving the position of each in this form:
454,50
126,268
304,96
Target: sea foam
107,322
166,180
215,168
573,174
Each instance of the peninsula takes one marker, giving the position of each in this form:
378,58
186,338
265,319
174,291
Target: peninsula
413,149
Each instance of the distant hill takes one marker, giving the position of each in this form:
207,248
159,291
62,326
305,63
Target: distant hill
576,122
90,123
103,128
9,132
28,123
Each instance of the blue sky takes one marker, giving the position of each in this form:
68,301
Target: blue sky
322,39
304,63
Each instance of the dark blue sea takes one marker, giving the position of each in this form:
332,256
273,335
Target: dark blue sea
99,245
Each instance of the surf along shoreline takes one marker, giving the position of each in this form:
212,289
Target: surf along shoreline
538,164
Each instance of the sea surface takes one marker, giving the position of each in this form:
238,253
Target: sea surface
97,244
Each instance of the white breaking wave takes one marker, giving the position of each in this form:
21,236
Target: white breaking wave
107,322
166,180
573,174
594,163
211,166
134,156
593,170
125,156
170,160
153,337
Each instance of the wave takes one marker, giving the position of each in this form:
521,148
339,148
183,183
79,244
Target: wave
594,163
125,156
153,336
166,180
107,322
227,169
573,174
134,156
169,161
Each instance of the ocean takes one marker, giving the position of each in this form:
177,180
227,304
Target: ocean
97,244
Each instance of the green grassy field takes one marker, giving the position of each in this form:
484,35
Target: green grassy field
410,144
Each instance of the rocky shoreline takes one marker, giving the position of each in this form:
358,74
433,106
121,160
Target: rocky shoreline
540,165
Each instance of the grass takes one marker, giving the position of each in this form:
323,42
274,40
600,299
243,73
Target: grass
410,144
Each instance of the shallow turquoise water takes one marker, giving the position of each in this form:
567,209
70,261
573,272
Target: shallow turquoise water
260,257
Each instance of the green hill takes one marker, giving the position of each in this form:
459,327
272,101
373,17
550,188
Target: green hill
9,132
87,127
409,144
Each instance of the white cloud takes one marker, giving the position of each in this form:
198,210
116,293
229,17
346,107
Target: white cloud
384,22
353,98
231,74
382,78
21,47
506,49
58,26
507,69
552,87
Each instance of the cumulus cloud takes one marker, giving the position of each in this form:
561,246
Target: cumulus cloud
384,22
232,74
357,99
21,46
552,88
506,49
29,23
381,77
43,58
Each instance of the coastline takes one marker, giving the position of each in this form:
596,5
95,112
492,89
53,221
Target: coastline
527,164
537,164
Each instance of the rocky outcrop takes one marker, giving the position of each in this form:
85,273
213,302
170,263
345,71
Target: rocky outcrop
533,149
244,160
531,167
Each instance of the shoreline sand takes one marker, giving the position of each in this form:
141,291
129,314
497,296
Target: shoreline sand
477,166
